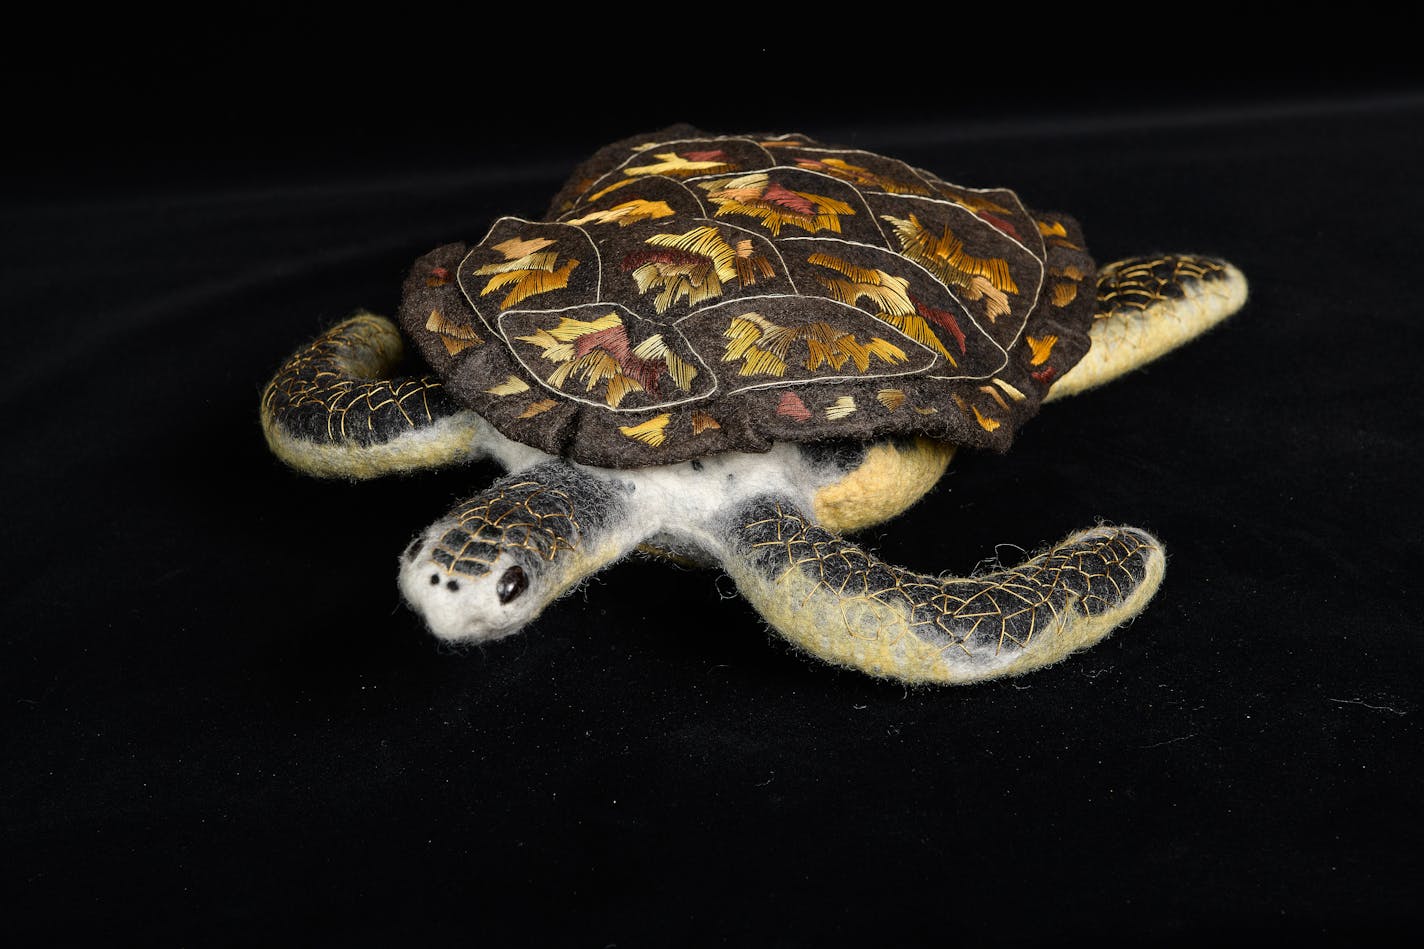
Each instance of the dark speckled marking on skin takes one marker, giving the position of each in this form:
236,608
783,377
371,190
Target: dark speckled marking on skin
697,465
839,453
455,538
473,566
534,516
993,613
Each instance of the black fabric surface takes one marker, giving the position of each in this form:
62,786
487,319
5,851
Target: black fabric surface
221,726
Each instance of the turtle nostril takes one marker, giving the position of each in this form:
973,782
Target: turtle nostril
452,586
511,584
435,579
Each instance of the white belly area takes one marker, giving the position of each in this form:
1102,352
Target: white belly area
681,500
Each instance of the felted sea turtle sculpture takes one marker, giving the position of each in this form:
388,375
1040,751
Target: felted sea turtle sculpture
735,350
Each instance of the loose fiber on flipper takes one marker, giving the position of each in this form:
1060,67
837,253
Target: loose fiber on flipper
844,604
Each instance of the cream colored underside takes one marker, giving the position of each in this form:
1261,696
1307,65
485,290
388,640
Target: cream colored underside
889,481
446,442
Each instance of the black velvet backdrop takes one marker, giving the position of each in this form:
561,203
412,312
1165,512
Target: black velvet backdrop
221,727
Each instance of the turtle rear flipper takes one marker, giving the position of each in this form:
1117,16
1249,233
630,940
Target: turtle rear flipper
335,410
1148,306
844,605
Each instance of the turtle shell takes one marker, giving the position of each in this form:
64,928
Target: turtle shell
690,293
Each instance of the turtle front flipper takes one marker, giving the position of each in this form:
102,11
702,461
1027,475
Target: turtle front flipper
490,566
1148,306
334,409
841,603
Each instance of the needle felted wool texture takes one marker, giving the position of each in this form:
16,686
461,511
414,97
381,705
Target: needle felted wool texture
688,294
732,350
1148,306
814,586
339,418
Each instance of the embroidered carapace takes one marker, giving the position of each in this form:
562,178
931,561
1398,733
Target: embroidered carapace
733,349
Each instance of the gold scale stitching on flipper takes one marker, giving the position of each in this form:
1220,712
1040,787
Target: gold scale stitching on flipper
1071,572
315,376
1137,285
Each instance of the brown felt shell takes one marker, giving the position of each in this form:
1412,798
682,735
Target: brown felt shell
690,293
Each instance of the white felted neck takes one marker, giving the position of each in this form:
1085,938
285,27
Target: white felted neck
677,503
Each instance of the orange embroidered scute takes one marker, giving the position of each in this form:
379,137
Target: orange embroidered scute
457,337
605,356
693,267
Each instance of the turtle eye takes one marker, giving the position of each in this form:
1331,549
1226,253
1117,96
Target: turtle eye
511,584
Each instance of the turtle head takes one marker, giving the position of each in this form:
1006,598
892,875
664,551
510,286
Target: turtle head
489,567
472,591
